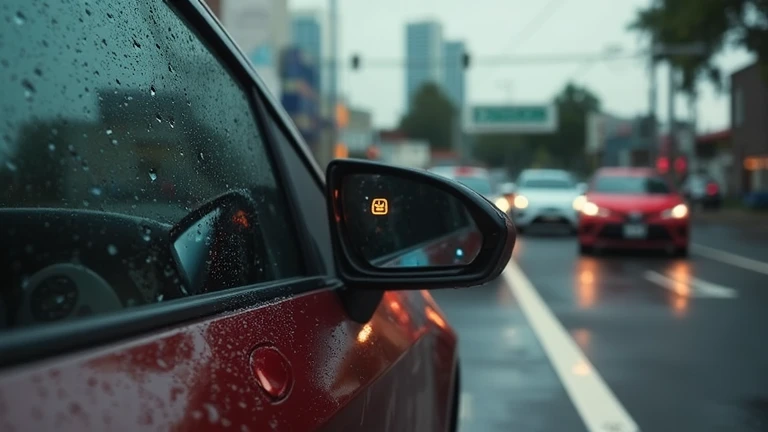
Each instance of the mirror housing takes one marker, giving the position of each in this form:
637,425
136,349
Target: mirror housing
495,227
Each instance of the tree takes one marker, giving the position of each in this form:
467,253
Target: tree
431,117
714,23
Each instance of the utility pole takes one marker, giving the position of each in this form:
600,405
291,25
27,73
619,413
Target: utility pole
672,149
653,135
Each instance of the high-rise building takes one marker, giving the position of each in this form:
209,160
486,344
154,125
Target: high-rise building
424,56
309,31
453,79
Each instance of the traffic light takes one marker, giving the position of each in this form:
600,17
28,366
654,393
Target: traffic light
355,62
465,60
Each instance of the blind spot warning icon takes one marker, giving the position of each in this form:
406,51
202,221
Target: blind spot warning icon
379,206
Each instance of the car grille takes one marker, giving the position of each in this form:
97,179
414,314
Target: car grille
616,232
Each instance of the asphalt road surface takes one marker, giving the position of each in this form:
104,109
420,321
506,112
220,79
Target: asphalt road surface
618,343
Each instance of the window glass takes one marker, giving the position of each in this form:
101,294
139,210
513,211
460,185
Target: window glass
631,185
117,124
480,185
543,183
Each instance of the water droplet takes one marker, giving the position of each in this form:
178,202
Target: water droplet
38,72
84,164
86,203
152,90
136,44
96,191
11,166
19,18
114,141
112,250
159,118
201,157
29,89
110,16
88,12
152,174
170,68
171,122
51,146
146,233
213,413
109,131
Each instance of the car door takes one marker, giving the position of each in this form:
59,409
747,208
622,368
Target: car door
166,262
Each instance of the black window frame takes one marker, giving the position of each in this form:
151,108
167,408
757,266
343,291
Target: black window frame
30,344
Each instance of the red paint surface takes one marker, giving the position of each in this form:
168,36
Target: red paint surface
393,373
272,371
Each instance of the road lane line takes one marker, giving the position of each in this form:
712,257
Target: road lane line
730,258
465,406
692,287
598,407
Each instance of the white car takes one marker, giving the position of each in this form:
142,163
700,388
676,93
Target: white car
547,197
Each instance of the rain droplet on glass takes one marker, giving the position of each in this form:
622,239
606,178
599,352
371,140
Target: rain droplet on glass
96,191
152,90
112,249
152,174
109,131
19,18
159,118
51,146
29,89
11,166
146,233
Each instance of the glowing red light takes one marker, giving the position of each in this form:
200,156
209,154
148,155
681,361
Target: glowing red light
712,189
662,164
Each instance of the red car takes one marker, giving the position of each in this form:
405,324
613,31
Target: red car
243,301
633,208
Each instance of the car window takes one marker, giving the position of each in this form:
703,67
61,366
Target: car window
480,185
631,185
118,125
543,183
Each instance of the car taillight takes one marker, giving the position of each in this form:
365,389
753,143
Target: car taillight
712,189
464,170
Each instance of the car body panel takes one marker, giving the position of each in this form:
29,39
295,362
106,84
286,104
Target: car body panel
545,205
396,369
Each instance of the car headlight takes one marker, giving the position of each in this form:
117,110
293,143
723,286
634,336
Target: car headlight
592,209
679,211
521,202
578,202
502,204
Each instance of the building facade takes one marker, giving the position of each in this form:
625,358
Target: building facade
424,57
453,82
300,96
749,130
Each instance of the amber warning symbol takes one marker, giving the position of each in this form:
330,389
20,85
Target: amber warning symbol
379,206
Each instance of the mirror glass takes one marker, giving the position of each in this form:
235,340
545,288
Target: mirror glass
391,221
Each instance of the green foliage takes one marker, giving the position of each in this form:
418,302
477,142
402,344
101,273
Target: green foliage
714,23
562,149
431,117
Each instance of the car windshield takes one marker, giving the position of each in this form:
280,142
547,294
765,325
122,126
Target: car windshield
633,185
480,185
547,183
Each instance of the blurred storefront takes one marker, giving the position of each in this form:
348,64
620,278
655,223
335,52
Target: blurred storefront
749,131
714,153
300,96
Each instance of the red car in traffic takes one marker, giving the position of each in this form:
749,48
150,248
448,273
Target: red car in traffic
633,208
241,301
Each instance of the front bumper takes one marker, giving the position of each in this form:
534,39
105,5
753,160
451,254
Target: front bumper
545,215
610,232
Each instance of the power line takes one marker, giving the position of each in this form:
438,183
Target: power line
545,13
501,61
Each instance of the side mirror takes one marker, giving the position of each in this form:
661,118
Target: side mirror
582,188
398,228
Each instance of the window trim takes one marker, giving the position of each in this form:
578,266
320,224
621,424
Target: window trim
36,343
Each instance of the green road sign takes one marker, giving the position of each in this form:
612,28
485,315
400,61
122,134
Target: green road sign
510,119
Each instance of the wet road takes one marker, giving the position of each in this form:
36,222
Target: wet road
618,342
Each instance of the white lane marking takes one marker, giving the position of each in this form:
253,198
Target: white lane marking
730,258
465,406
598,407
691,287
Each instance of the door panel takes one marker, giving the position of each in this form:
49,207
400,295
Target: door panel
395,371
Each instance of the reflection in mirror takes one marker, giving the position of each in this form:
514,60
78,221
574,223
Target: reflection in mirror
395,222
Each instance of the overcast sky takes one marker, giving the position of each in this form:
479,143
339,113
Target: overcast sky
512,27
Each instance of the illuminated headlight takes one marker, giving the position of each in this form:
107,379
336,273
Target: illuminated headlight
521,202
579,202
502,204
679,211
591,209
